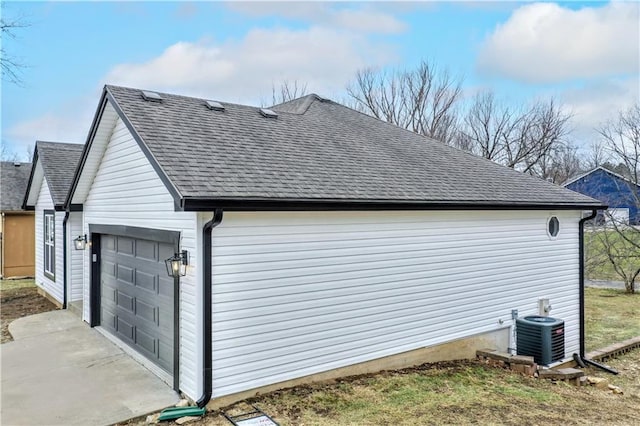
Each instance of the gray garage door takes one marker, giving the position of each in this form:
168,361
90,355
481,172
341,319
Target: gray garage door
137,296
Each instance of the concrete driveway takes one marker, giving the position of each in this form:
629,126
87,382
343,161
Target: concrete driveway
59,371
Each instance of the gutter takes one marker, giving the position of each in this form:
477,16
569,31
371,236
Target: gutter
581,358
64,259
207,273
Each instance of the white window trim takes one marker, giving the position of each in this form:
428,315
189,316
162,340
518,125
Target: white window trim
551,236
49,244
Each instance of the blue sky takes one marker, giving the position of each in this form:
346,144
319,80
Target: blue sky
586,54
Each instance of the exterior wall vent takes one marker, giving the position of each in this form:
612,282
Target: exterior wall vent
268,113
151,96
215,106
540,337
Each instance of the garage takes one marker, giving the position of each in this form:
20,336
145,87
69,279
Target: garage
137,297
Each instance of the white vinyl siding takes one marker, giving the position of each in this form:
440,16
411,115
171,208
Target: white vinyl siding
75,257
127,191
297,293
55,286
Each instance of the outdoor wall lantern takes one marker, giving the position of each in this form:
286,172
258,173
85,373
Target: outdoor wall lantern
177,265
80,242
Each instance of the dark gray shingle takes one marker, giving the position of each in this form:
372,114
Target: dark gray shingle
317,150
14,178
59,161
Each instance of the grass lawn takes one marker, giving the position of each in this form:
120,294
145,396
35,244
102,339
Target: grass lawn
6,285
611,316
598,266
467,392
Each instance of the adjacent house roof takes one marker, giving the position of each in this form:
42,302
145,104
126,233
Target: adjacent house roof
56,162
604,169
314,151
14,177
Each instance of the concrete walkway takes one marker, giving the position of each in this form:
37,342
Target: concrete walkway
59,371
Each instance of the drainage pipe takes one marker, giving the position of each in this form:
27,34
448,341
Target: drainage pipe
206,308
64,259
581,358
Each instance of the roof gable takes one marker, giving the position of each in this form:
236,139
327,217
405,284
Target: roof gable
599,169
15,178
315,151
56,162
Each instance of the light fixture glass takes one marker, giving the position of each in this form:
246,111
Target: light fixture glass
177,265
80,242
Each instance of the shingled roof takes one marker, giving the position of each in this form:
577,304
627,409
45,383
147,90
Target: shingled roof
13,184
315,151
58,162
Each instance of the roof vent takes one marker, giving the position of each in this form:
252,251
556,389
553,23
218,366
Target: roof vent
215,106
268,113
151,96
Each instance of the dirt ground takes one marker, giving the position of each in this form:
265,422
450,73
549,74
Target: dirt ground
449,393
460,393
20,302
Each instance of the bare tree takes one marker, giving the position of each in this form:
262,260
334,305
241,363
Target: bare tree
621,138
11,66
525,139
597,155
287,91
422,100
562,163
6,154
619,241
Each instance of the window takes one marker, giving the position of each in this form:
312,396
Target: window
49,228
553,226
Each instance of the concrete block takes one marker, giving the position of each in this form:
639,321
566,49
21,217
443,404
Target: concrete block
522,359
560,374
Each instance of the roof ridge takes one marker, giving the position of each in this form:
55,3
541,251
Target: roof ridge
60,145
299,105
176,95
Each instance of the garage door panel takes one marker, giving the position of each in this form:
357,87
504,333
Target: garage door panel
108,242
125,329
125,274
146,281
147,250
125,246
146,311
125,301
137,299
108,320
165,287
165,353
146,341
108,267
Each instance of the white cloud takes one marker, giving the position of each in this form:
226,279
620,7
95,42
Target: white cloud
307,11
368,18
69,123
245,70
596,102
368,21
544,42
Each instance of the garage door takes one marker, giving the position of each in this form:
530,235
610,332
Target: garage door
137,296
